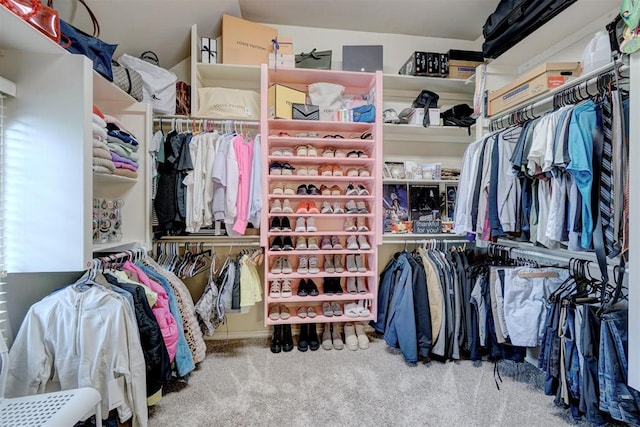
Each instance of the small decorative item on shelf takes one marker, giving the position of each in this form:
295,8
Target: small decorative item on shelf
364,113
209,50
107,220
394,170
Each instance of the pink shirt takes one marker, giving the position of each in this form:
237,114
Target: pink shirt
160,309
244,156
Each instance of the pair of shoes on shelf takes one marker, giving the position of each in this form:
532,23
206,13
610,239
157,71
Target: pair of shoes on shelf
359,224
354,207
360,190
306,224
330,170
356,263
331,285
282,339
277,168
332,152
308,264
331,337
358,172
307,171
280,189
308,337
355,336
282,152
333,263
279,312
355,285
281,207
307,287
358,309
280,288
306,151
281,265
334,190
302,244
304,312
307,207
330,309
328,243
281,244
280,224
355,243
311,190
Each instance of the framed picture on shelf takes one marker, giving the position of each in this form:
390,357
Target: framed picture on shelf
395,208
424,205
412,170
447,206
394,170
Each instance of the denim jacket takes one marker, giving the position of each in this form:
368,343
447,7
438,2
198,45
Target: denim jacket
401,327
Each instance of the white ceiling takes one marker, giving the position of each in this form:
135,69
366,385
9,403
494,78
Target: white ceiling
164,25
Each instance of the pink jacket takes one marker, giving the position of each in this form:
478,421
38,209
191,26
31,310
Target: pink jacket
160,309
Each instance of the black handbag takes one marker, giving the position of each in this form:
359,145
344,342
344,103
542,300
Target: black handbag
305,112
314,59
426,100
460,115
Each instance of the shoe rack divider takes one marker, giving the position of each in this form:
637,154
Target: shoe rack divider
290,134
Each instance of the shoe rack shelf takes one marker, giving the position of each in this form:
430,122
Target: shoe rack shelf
359,146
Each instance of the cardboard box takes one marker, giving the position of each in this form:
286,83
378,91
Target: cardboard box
245,42
280,100
537,81
461,69
285,46
209,50
281,61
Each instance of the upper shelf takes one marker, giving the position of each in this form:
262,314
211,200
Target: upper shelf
443,134
18,35
417,83
578,21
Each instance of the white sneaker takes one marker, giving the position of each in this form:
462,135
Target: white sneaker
286,289
311,224
326,208
351,206
286,266
352,243
313,265
286,206
313,243
276,206
364,244
277,266
274,289
362,207
301,243
337,208
300,225
336,337
349,224
362,223
303,264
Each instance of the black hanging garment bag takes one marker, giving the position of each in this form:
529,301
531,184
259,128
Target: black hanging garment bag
513,20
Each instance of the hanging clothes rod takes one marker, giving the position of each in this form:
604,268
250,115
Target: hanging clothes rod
537,106
185,119
132,254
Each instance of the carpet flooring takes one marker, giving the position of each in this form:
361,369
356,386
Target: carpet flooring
242,383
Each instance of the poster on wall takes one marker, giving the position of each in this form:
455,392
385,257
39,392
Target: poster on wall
395,208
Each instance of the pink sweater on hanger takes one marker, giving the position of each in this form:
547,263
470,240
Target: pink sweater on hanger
244,155
160,309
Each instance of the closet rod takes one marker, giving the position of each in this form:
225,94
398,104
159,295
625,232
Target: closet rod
185,119
543,105
135,253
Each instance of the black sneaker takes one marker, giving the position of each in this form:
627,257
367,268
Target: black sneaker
302,189
302,288
285,225
312,288
313,190
276,244
288,244
275,224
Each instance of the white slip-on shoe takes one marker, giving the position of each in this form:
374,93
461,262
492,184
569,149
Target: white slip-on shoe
350,338
351,309
359,260
337,263
352,267
363,340
364,244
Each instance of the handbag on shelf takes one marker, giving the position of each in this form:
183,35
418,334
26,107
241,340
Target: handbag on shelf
128,80
305,112
183,99
77,41
328,97
43,18
314,59
158,84
364,113
426,99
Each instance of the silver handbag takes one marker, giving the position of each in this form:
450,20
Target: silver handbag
127,79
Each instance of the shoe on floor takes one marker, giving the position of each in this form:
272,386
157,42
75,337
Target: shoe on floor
336,337
287,339
303,337
363,340
350,338
314,344
276,340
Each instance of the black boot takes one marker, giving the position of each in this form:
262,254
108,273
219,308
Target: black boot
337,287
314,343
312,288
287,339
303,343
276,341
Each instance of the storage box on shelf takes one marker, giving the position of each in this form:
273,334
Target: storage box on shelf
322,180
49,225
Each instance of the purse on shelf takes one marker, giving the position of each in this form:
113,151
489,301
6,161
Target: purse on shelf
126,79
328,98
314,59
43,18
77,41
305,112
158,84
364,113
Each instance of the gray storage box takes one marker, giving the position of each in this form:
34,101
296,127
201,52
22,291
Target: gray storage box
362,58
